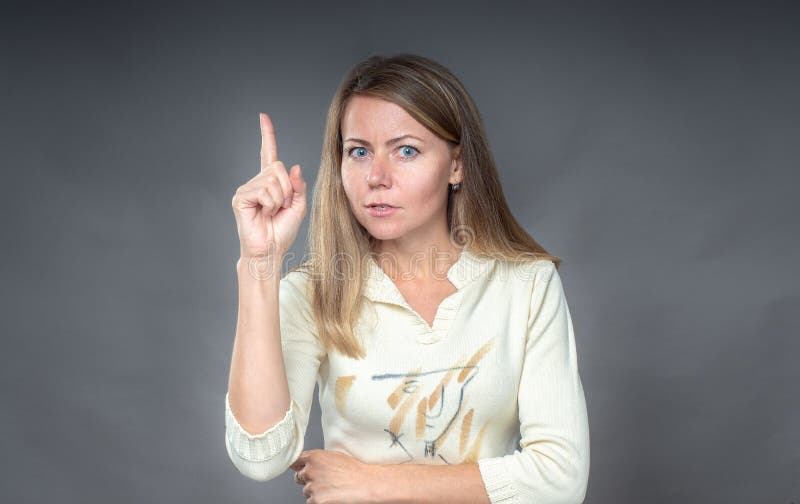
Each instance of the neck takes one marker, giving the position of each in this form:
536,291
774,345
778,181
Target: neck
415,264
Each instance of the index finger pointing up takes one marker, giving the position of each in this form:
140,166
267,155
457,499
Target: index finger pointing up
269,149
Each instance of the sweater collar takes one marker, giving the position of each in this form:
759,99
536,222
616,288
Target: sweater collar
379,287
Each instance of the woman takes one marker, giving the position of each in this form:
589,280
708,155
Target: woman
435,326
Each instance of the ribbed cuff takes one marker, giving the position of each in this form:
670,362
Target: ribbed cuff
259,447
499,486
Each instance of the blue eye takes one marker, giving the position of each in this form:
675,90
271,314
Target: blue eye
407,152
350,151
413,149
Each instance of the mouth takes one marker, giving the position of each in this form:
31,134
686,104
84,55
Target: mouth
380,209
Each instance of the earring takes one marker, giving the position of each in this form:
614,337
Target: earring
456,186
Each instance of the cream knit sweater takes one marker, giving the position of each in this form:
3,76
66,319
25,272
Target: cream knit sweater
494,381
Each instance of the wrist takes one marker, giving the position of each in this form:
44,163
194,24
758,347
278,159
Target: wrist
379,492
259,267
272,253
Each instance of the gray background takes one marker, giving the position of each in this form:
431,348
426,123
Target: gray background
653,147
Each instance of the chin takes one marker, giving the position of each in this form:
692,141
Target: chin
380,233
384,230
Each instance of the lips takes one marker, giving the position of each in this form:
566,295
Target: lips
377,211
381,205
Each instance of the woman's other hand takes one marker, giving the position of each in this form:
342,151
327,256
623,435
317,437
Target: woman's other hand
334,477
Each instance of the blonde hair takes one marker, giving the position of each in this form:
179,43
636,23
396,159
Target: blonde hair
478,215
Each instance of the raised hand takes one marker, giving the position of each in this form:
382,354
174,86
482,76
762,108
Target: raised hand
270,207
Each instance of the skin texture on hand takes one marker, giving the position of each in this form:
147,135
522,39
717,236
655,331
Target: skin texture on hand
332,476
336,477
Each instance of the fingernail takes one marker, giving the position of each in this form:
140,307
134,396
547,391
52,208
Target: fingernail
287,202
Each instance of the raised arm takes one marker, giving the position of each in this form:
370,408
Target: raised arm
263,449
275,355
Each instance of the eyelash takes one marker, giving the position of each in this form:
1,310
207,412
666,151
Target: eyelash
351,149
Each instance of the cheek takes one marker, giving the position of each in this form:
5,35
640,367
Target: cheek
348,184
426,191
353,191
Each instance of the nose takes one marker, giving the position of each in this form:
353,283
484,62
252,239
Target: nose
379,173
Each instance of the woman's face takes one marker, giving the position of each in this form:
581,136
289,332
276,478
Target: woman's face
380,163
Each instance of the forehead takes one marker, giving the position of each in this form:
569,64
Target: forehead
366,116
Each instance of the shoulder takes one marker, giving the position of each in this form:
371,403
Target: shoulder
295,286
531,273
296,278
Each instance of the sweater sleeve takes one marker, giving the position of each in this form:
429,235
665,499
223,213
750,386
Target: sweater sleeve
269,454
553,463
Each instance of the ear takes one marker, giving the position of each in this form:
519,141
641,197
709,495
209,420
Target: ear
456,173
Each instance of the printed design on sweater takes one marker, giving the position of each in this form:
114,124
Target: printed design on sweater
439,399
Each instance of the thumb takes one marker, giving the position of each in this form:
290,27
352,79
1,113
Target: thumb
298,184
299,463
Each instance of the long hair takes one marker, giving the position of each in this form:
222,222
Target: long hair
478,215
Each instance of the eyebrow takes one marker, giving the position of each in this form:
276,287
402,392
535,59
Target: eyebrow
390,142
